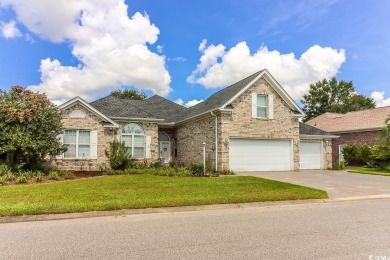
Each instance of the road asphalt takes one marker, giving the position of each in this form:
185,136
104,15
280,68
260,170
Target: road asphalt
349,229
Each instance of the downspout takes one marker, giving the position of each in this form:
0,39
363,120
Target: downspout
216,141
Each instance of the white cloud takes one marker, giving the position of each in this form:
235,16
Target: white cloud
189,103
193,102
9,30
379,98
179,101
111,47
160,48
219,68
202,45
180,59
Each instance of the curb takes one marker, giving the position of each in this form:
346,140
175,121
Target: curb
125,212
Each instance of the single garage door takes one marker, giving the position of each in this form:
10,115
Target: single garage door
259,155
310,153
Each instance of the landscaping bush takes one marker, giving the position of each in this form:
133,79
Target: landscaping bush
53,175
350,153
23,178
68,175
226,172
364,154
156,164
338,166
118,156
196,169
3,179
39,176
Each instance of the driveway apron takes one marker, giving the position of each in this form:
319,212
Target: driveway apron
338,184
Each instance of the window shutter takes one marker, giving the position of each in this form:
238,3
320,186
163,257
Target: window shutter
270,106
93,144
254,105
148,149
60,139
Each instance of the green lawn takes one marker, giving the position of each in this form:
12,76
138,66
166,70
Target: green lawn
364,170
144,191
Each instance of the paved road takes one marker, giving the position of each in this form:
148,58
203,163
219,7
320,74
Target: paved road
336,230
338,184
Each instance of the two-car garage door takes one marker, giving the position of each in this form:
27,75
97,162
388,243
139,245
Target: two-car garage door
260,155
271,155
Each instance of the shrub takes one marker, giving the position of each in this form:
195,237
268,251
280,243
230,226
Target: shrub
39,176
350,153
3,179
182,172
338,166
226,172
68,175
209,166
364,154
10,176
4,169
142,165
53,175
23,178
196,169
118,156
156,164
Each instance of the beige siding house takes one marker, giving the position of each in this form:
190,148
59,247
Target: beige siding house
252,125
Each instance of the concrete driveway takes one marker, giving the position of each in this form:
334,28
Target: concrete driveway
338,184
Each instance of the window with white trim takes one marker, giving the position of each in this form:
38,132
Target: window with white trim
78,142
133,136
262,106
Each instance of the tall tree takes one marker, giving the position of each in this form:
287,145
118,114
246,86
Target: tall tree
333,96
129,94
29,125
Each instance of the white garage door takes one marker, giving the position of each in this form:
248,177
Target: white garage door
310,155
260,155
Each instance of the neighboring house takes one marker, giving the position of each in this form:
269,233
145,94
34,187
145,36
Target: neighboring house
251,125
359,127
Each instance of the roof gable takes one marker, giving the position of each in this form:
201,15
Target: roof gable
362,120
225,97
83,103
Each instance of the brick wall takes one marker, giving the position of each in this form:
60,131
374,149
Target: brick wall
89,122
242,124
238,123
359,138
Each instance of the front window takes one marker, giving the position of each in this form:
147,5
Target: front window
261,106
78,142
133,136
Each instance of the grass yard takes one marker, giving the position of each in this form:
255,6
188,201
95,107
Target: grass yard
364,170
144,191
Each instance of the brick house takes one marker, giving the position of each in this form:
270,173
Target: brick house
250,125
358,127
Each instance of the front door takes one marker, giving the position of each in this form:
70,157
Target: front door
165,151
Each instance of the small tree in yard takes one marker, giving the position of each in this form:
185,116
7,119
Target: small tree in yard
29,125
381,152
118,156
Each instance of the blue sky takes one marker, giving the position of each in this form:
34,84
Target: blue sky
187,50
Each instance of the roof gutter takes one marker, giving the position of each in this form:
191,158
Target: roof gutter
205,113
318,136
138,119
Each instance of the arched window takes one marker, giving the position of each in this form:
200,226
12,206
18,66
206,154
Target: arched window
133,136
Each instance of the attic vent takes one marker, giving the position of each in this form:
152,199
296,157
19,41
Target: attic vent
77,114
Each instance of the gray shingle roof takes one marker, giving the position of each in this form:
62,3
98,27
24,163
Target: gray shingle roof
154,107
305,129
161,108
218,99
